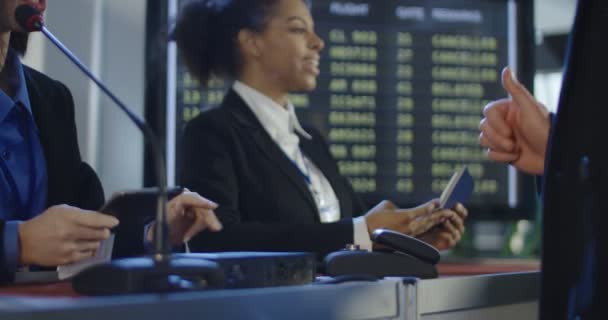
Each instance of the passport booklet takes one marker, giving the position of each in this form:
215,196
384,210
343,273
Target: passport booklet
459,189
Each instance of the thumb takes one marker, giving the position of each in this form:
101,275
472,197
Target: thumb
431,205
512,112
424,209
385,205
518,92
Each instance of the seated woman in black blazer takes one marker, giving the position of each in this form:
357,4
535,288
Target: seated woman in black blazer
277,185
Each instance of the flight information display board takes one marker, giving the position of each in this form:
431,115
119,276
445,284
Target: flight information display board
402,87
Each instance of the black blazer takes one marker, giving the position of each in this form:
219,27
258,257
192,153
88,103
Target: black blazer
264,202
70,180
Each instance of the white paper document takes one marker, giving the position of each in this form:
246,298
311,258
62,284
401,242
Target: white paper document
103,254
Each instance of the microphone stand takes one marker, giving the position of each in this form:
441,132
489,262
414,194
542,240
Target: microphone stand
162,272
161,249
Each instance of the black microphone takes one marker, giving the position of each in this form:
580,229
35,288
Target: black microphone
161,272
29,18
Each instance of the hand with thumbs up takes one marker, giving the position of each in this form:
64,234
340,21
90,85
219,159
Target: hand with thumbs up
516,130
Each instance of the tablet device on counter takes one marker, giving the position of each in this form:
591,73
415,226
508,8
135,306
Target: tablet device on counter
140,202
134,209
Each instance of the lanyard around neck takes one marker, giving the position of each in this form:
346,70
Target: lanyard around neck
305,175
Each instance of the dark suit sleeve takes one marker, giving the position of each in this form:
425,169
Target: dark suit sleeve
540,180
88,192
209,150
4,274
70,180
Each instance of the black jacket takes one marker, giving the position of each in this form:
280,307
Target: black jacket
264,202
70,180
574,282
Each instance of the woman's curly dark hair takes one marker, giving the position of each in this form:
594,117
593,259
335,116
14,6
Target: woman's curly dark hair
207,31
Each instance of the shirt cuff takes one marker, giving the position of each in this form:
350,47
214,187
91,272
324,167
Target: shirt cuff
361,235
11,245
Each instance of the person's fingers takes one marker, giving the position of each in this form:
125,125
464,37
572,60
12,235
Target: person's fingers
87,245
495,113
425,223
151,230
194,230
213,222
502,156
498,144
92,219
442,239
461,210
426,207
453,231
448,240
491,138
190,200
457,222
77,256
203,219
409,215
80,233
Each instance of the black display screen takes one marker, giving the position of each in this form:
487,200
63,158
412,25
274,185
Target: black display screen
402,87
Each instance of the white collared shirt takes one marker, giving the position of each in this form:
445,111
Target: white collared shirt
282,125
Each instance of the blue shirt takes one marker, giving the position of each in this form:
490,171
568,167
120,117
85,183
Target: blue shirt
23,176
